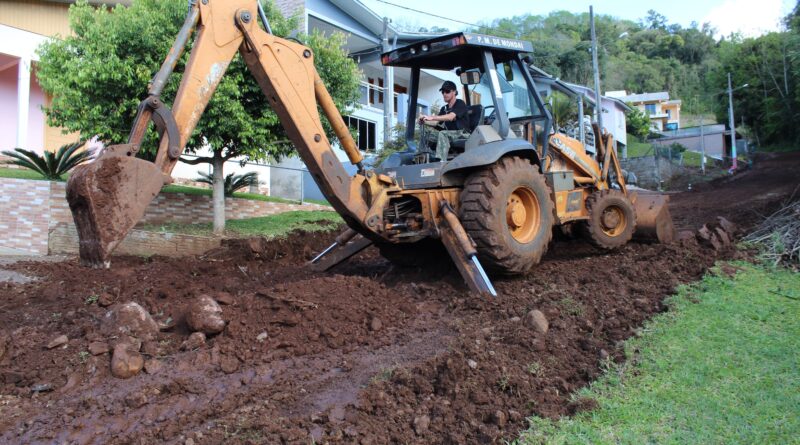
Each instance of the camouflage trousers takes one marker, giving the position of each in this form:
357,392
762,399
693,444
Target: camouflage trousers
443,139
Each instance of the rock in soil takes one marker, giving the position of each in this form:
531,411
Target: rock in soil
125,363
224,298
205,315
58,341
421,424
152,366
195,341
129,319
538,321
499,418
98,347
229,364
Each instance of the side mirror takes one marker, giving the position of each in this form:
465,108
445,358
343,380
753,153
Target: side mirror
470,77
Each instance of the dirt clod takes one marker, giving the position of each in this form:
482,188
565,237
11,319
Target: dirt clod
421,424
205,315
228,364
536,320
105,299
125,363
3,345
195,341
152,366
499,418
61,340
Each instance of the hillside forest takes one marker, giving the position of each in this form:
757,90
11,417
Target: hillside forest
691,63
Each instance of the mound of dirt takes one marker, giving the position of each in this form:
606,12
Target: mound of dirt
368,354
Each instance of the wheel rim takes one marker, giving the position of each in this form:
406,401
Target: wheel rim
613,221
522,214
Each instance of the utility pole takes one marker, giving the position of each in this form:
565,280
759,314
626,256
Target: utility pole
596,68
733,129
388,89
702,145
581,130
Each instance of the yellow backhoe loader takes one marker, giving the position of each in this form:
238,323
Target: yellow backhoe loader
494,200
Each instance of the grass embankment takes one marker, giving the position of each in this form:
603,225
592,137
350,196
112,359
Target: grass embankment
267,226
720,367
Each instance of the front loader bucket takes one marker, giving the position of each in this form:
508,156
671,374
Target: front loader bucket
107,198
653,221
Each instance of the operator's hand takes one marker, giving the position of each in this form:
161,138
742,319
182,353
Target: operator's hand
425,118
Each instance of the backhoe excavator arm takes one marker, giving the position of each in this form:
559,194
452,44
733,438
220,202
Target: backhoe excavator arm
109,196
285,71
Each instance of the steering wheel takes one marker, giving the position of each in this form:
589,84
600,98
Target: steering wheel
488,120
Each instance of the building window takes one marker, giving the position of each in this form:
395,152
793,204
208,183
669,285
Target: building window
669,113
375,91
364,132
650,109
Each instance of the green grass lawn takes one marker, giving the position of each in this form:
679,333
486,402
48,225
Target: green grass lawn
722,366
20,173
267,226
637,148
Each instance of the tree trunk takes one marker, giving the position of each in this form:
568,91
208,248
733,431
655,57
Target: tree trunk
218,193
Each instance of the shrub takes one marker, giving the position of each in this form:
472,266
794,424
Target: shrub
233,182
51,165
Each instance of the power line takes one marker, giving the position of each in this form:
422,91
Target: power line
446,18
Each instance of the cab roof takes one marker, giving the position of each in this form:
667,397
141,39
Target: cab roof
455,50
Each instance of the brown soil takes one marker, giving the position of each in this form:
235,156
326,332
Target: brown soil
369,354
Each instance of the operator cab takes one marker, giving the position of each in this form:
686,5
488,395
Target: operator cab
506,113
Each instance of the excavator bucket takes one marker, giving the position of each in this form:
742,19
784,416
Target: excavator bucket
107,198
653,221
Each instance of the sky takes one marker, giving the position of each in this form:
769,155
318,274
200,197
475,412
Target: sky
750,17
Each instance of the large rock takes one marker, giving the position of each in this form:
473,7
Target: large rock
131,320
126,363
205,315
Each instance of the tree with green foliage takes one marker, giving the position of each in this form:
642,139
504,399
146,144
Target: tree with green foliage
98,76
637,123
563,109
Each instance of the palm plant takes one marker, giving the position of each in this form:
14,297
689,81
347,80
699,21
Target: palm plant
51,165
232,182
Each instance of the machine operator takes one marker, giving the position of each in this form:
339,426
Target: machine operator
454,118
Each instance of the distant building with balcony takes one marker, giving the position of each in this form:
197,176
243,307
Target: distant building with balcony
665,114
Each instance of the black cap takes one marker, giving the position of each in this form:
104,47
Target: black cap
448,86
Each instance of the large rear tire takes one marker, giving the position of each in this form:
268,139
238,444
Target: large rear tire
507,210
612,219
